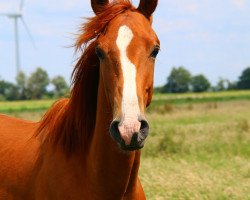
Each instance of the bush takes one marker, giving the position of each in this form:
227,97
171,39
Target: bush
200,83
8,91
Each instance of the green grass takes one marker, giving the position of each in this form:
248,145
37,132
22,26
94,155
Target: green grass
163,99
223,94
160,101
195,150
24,106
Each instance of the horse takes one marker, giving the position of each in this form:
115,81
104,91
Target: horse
87,146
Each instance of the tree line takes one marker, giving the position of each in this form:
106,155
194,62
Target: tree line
34,86
181,80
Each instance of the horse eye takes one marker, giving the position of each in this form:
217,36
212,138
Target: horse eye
155,52
99,52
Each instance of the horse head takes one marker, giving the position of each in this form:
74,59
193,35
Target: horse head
127,51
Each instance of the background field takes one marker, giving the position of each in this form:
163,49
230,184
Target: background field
198,148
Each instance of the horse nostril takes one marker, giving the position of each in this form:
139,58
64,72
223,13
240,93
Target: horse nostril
134,140
144,128
114,131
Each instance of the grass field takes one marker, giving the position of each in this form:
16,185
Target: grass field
198,148
199,151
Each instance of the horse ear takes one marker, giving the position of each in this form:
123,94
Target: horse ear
98,5
147,7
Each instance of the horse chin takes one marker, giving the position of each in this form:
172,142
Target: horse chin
130,147
133,146
137,142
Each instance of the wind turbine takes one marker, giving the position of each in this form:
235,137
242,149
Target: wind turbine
16,16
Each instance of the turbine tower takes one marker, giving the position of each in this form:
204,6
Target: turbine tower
16,16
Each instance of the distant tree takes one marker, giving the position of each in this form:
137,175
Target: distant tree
21,85
200,83
37,83
178,81
231,85
221,85
8,91
60,85
244,79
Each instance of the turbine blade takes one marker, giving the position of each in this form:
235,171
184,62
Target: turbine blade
28,31
21,5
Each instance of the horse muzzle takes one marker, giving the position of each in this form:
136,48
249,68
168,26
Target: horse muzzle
135,137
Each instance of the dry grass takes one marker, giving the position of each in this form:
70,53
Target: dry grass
165,178
198,153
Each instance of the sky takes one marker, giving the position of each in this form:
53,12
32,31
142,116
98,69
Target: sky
207,37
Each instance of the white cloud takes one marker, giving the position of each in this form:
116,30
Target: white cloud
203,36
164,26
239,4
64,5
46,30
48,5
7,6
190,7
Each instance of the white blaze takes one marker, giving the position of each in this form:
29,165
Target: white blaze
130,106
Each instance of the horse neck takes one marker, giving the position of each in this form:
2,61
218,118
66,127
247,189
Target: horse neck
106,162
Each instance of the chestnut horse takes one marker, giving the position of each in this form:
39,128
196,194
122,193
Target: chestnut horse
87,147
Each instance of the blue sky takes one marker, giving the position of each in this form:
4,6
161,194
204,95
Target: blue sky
206,36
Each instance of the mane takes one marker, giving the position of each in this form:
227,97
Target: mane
71,122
